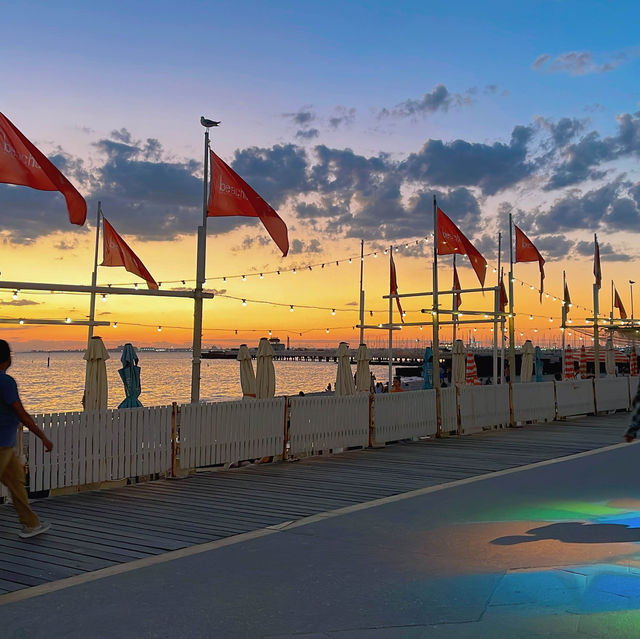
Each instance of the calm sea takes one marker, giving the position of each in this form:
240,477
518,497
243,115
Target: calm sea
165,377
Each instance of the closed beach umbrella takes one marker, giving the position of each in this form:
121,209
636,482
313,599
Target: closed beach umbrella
569,371
344,379
265,372
610,358
130,376
247,376
538,363
582,362
363,375
633,362
526,364
471,371
458,363
96,391
427,368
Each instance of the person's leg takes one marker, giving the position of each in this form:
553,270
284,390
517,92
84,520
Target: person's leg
12,476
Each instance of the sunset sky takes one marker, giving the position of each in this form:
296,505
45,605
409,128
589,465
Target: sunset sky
346,117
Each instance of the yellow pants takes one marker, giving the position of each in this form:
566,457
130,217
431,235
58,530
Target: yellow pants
12,476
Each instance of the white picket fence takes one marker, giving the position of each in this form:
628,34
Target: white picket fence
612,393
483,407
404,415
533,402
328,423
574,397
97,446
229,432
448,409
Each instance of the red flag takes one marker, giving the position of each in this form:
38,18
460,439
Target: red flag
116,252
457,287
527,252
504,300
22,164
231,195
617,303
452,240
597,271
393,285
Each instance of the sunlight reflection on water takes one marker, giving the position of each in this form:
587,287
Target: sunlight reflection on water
166,377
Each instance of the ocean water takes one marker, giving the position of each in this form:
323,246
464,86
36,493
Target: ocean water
165,378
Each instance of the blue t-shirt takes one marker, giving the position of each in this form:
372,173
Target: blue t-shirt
8,419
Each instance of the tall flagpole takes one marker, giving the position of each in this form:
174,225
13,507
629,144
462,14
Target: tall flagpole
200,274
390,345
496,308
436,317
596,311
512,352
563,323
361,292
94,277
454,306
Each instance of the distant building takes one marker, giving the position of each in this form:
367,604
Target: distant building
276,344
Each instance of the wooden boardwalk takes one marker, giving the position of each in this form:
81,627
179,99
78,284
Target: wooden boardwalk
93,530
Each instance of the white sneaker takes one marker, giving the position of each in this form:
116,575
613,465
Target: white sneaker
36,530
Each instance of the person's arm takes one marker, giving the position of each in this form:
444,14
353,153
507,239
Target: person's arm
27,420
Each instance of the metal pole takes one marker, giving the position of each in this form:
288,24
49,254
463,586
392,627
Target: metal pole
563,322
436,317
454,306
200,279
361,291
390,344
512,352
496,308
502,342
94,277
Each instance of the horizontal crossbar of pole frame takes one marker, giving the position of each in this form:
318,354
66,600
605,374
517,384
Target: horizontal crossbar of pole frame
396,327
55,322
488,289
496,314
101,290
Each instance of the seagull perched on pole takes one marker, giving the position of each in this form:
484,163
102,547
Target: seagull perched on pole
208,123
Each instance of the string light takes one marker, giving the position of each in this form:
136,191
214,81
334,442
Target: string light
104,298
349,260
135,286
21,322
261,276
333,311
326,330
244,278
244,302
294,271
68,320
15,295
530,317
270,333
159,329
115,325
291,308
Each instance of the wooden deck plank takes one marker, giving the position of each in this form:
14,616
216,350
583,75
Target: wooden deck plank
100,528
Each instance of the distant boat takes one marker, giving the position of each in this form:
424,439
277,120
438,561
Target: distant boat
220,354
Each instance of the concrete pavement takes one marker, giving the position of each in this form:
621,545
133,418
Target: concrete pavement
548,551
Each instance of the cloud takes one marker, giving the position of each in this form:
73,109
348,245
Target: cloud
581,62
606,251
20,302
490,167
307,134
438,99
66,245
302,117
553,246
343,116
581,160
299,246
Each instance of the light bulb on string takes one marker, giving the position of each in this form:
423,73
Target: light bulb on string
326,330
135,286
159,329
244,278
244,302
349,260
530,317
115,325
270,333
104,298
291,308
21,322
333,311
68,320
261,276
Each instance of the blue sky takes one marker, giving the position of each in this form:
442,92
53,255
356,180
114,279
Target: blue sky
346,116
